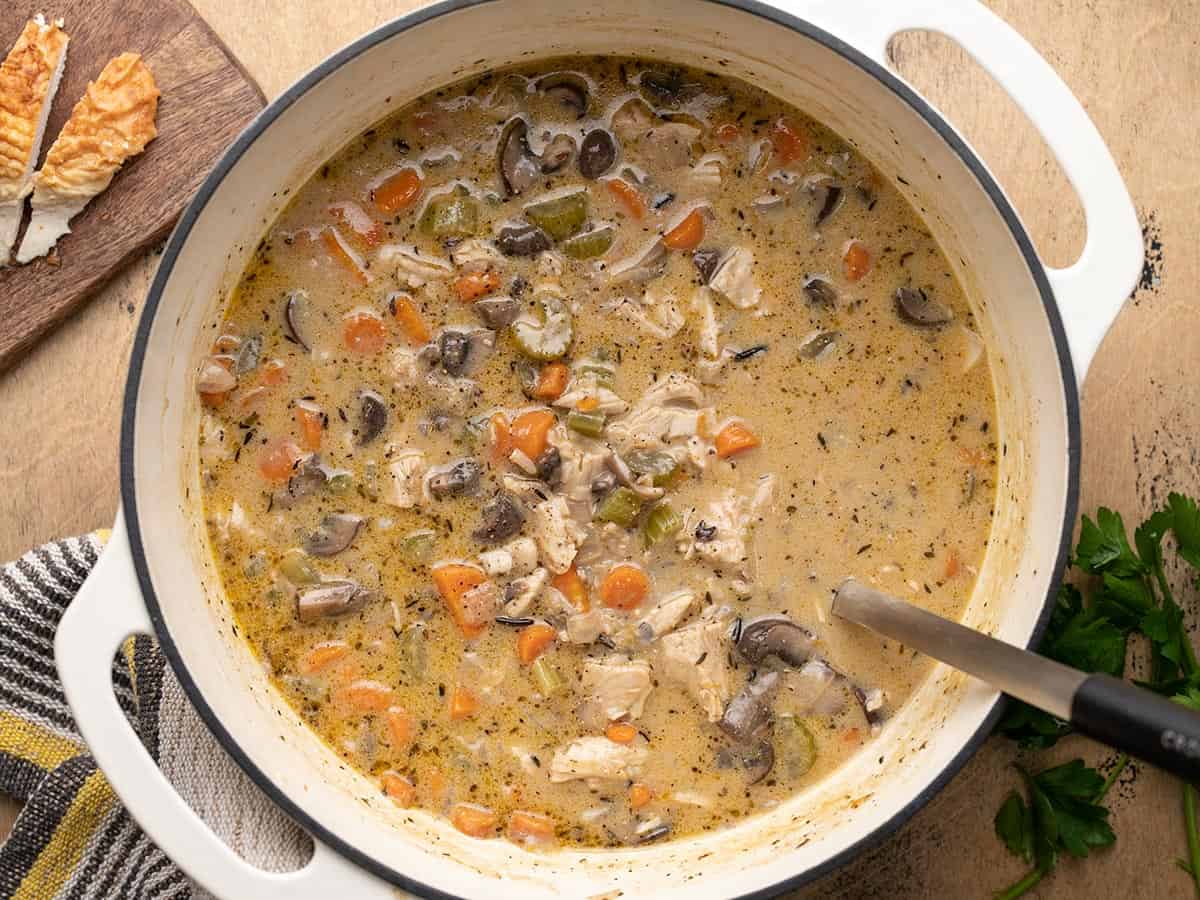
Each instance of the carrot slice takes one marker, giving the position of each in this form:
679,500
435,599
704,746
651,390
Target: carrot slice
354,217
529,828
552,381
322,656
727,133
530,431
789,144
278,457
397,192
338,249
587,404
500,437
952,564
438,786
399,788
409,317
367,695
533,640
274,372
625,587
620,732
629,197
639,795
474,820
688,234
455,583
856,261
364,333
473,285
463,703
400,725
573,587
735,438
312,423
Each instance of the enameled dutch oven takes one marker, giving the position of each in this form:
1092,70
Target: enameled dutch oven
1041,327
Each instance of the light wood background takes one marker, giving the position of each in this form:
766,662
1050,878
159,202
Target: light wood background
1136,67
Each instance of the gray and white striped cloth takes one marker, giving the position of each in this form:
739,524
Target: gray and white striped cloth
73,839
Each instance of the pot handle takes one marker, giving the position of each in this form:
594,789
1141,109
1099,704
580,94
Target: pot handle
108,609
1092,291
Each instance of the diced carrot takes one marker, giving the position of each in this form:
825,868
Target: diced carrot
973,456
252,398
367,695
688,234
312,423
624,587
463,703
533,640
789,144
409,317
437,784
952,564
397,192
354,217
278,457
529,828
473,285
552,381
639,795
400,725
364,333
500,437
620,732
399,788
629,197
573,587
274,373
455,583
427,121
851,736
856,261
727,133
322,656
530,431
474,820
336,245
735,438
587,404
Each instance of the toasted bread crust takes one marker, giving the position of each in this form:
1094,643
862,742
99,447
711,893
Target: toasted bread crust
113,121
25,79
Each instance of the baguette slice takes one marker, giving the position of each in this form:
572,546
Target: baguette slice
29,79
111,123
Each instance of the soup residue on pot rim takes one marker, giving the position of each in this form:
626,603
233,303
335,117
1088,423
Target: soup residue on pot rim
545,419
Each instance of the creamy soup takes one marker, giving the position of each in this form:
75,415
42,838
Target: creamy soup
542,425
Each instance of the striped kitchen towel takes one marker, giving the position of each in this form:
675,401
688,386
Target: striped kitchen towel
72,838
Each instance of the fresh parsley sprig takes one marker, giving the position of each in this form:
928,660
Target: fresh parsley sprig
1130,596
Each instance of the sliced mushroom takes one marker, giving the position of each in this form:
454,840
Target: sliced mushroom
917,308
548,465
568,88
522,240
497,312
461,477
372,417
214,378
335,534
831,198
820,292
310,477
519,166
558,152
502,517
776,636
749,713
645,265
705,259
295,312
454,346
248,354
817,345
333,598
597,153
871,702
667,87
755,760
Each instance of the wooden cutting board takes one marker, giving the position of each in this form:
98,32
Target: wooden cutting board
207,98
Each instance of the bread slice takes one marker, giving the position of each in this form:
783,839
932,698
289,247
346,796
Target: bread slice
111,123
29,79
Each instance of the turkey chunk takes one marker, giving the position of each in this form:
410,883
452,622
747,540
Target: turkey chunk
666,614
619,687
733,516
413,268
666,413
695,657
557,536
405,475
734,279
597,758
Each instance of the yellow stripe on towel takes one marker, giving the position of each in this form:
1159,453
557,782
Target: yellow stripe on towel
40,746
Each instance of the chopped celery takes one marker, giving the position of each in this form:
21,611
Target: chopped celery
662,522
370,480
416,548
589,244
586,423
453,214
414,655
297,568
340,483
548,680
560,217
548,338
621,507
661,467
796,747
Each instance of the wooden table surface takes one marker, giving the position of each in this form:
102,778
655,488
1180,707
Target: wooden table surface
1136,67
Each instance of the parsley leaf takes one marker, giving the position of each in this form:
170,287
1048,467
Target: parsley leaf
1185,516
1103,546
1014,826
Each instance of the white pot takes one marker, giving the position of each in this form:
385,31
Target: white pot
1041,327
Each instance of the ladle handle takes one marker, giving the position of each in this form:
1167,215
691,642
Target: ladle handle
1112,711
